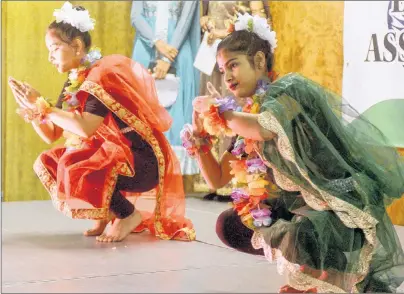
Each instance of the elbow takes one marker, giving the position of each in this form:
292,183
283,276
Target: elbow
263,133
266,135
86,131
216,184
86,134
213,184
48,140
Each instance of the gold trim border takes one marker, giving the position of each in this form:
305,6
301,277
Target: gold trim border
76,213
351,216
147,134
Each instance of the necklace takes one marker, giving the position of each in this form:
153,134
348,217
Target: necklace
77,77
250,172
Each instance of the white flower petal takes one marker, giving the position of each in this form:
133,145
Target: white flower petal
79,19
260,27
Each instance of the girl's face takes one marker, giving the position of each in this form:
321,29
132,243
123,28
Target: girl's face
239,76
63,56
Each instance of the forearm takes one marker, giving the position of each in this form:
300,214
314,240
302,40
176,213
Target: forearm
72,122
210,169
140,24
47,131
247,126
184,23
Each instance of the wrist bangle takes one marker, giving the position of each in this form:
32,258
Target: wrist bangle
165,59
194,144
42,108
214,121
226,104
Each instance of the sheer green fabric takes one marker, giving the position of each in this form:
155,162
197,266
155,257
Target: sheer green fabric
346,173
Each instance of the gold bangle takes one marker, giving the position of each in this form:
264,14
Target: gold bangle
43,108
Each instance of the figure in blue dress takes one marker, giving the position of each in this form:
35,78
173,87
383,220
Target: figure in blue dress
167,39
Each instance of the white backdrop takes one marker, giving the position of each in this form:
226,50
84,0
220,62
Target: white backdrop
366,83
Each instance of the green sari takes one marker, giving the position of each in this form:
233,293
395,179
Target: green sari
345,174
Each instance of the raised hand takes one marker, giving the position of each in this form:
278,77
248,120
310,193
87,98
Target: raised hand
24,94
197,122
31,94
212,90
202,104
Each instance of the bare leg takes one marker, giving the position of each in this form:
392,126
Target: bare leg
121,228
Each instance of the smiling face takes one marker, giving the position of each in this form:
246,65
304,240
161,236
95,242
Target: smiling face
239,75
62,55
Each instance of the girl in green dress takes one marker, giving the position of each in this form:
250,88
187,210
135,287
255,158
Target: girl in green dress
312,176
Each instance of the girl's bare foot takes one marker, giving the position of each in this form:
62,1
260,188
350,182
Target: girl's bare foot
121,228
99,226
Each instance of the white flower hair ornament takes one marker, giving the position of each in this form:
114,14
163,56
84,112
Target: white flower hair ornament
80,19
258,25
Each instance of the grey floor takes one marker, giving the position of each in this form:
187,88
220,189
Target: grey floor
43,251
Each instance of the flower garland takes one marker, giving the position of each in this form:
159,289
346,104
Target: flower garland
71,102
193,143
213,123
41,109
250,172
77,77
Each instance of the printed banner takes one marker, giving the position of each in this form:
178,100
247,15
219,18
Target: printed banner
373,80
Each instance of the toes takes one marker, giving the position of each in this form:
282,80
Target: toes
101,238
105,238
113,238
109,238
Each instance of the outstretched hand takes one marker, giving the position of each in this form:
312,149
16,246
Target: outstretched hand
202,104
197,123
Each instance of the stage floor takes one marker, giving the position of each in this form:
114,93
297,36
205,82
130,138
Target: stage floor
44,251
